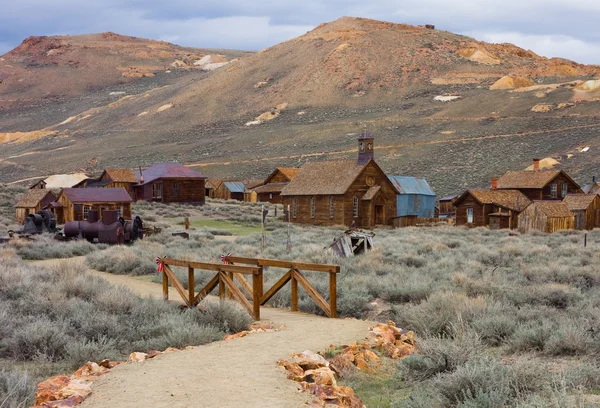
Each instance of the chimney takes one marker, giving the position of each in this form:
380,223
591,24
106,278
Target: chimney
536,164
141,176
494,183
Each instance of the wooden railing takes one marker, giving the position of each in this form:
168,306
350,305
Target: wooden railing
295,276
225,279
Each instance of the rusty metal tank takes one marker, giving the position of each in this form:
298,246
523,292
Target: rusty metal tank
111,229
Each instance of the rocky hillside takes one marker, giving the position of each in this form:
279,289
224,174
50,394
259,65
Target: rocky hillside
442,106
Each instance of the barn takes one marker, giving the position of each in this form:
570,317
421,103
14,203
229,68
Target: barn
33,201
342,192
271,189
170,183
546,216
415,198
497,209
73,204
586,208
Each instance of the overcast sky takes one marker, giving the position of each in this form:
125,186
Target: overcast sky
553,28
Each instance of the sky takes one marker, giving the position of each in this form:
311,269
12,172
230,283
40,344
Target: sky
552,28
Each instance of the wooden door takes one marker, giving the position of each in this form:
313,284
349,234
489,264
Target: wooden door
379,215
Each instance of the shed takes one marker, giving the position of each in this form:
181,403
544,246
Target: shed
546,216
415,197
73,204
586,208
447,207
234,190
32,202
38,184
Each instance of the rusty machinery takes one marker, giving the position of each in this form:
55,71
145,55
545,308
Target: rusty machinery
111,229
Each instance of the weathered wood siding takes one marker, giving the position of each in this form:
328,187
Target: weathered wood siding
189,191
273,198
279,177
446,207
533,219
546,192
74,211
479,214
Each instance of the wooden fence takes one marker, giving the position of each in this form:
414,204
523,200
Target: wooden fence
295,276
225,278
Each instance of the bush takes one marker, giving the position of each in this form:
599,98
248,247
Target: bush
17,389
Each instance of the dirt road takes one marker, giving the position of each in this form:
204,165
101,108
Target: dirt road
237,373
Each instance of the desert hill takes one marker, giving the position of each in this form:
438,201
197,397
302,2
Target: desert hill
442,106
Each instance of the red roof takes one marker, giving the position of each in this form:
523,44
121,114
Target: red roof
168,170
97,195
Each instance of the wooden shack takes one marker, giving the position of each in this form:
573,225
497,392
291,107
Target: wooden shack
40,184
546,216
231,190
497,209
33,201
210,187
446,206
539,184
73,204
112,178
170,183
249,186
342,192
586,208
271,189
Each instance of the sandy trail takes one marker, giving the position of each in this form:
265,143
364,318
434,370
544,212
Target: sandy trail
238,373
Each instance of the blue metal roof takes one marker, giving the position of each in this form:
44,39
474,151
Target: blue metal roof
235,186
411,185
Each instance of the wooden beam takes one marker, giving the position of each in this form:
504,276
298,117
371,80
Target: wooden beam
229,294
294,286
165,285
257,294
208,266
333,295
177,285
319,300
237,293
285,264
245,284
276,287
191,284
207,289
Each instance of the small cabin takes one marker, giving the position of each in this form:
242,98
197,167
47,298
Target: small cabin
446,207
32,202
271,189
210,187
250,185
497,209
546,216
231,190
170,183
40,184
586,208
74,204
112,178
415,198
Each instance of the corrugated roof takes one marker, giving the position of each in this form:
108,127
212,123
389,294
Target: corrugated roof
553,209
579,201
33,197
235,186
449,198
371,193
511,199
121,175
326,177
411,185
270,188
527,178
169,170
97,195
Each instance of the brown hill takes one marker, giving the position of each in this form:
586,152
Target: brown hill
424,93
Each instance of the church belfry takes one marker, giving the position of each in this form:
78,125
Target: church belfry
365,148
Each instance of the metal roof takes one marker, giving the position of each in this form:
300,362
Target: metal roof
411,185
168,170
235,186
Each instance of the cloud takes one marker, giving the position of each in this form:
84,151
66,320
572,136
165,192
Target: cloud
548,27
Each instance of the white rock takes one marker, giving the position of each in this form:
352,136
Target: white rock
117,93
253,122
446,98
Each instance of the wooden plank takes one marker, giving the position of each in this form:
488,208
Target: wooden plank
245,284
319,300
294,285
236,292
208,266
333,294
191,284
177,285
207,289
229,294
165,286
257,294
285,264
276,287
221,286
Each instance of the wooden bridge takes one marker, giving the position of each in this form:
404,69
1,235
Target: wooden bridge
250,295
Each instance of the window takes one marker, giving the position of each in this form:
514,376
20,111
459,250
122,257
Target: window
554,190
119,212
270,196
86,210
331,207
157,190
355,207
469,215
175,189
294,208
565,190
312,208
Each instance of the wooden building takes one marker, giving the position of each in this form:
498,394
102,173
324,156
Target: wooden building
546,216
249,186
591,188
342,192
73,204
271,189
210,187
539,184
231,190
446,208
112,178
586,208
40,184
497,209
33,201
170,183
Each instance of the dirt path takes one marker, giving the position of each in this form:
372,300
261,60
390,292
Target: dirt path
236,373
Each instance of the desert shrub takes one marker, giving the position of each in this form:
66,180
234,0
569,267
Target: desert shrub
531,336
16,388
227,316
46,247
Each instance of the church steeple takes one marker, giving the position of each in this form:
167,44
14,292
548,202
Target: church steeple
365,148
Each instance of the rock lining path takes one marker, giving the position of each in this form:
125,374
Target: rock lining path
237,373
